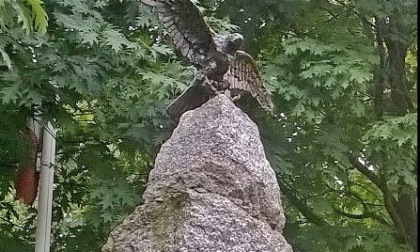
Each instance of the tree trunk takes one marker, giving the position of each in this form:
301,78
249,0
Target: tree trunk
397,50
212,189
403,208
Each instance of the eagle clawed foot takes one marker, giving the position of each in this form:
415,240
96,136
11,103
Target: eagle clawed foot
236,98
229,94
219,86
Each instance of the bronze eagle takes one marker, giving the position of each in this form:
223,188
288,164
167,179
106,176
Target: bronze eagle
220,65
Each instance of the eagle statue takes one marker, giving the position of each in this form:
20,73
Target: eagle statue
221,67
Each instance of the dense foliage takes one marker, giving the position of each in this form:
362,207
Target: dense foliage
343,76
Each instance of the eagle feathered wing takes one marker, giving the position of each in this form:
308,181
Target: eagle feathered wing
244,78
187,28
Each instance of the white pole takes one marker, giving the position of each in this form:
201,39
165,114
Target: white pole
43,227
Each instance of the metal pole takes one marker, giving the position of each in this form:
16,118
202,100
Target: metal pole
43,228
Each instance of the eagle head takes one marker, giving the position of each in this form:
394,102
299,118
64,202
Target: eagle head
228,44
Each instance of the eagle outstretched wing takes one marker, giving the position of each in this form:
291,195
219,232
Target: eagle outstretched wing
244,82
244,79
215,56
187,28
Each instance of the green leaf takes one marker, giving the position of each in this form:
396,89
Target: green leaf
10,93
24,16
39,15
89,37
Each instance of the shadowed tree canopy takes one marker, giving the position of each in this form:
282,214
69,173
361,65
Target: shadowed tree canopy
342,76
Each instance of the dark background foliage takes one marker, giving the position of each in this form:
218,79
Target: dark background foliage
342,74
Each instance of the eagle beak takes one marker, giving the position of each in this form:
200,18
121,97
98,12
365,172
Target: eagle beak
237,38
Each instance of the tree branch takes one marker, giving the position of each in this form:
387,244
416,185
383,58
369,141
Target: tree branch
302,207
352,9
365,171
378,197
389,200
364,215
351,216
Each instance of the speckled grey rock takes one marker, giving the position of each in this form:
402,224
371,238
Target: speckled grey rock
212,189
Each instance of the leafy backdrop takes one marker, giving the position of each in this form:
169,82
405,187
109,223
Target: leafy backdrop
343,76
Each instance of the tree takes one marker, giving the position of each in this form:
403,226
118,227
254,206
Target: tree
343,75
83,70
344,91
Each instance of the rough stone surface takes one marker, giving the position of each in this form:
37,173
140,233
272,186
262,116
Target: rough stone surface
212,189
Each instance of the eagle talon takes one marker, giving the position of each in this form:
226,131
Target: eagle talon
232,97
228,93
236,98
213,85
